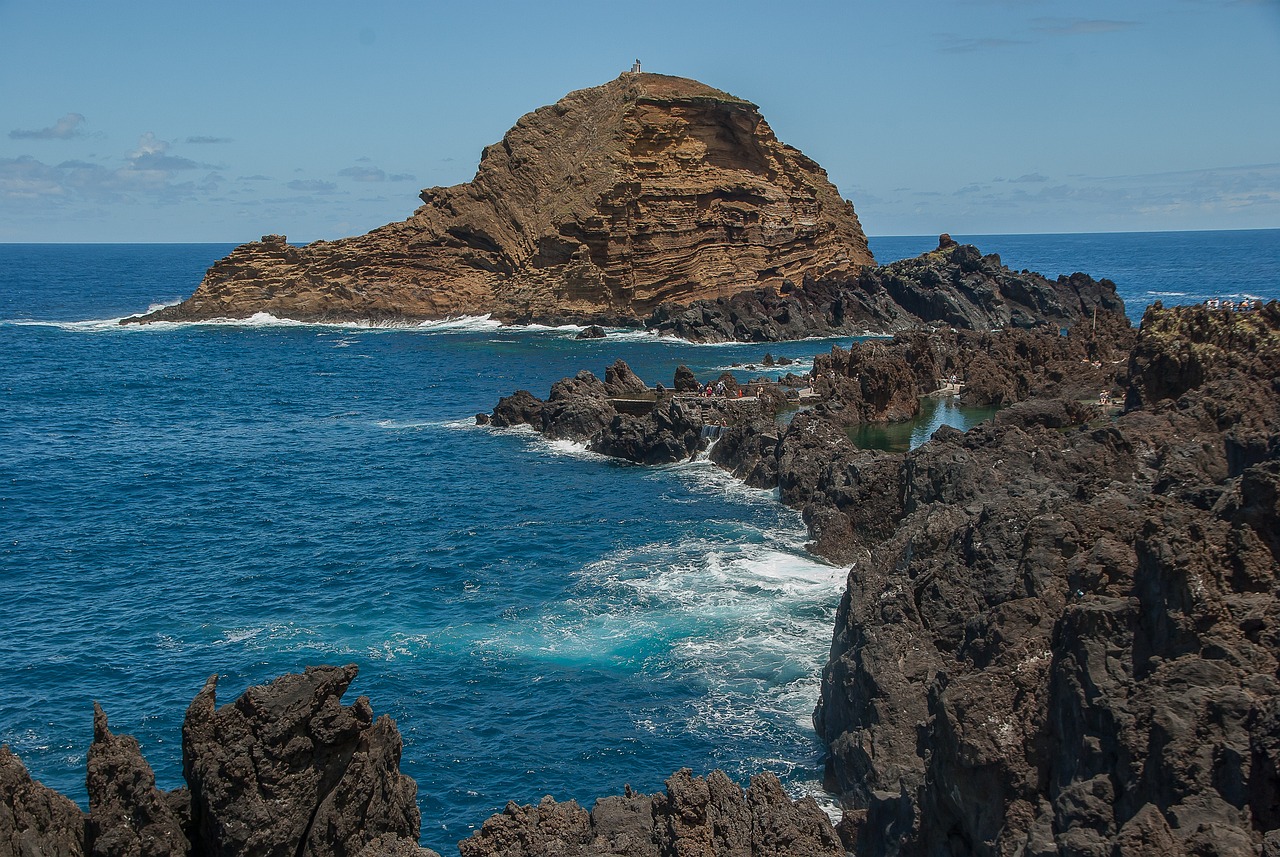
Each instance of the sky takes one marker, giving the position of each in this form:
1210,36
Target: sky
144,121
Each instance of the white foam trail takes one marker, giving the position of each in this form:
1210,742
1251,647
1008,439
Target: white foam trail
460,324
573,449
400,425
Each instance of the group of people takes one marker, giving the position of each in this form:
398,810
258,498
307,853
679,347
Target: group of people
718,389
1246,305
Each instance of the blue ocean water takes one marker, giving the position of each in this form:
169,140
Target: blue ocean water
250,498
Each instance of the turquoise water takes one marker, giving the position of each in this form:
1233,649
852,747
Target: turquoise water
251,498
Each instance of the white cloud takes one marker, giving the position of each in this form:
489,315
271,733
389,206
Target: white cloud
64,129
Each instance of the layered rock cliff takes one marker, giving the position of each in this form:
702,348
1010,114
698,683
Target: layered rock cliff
604,205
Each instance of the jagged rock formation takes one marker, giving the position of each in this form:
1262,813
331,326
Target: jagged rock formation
288,770
35,821
954,285
602,206
696,817
1061,635
583,408
128,815
284,771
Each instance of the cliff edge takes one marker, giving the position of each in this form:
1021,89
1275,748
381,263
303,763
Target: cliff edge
602,206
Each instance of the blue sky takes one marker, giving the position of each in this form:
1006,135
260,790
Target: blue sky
147,121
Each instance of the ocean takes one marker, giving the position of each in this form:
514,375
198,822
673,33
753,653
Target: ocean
250,498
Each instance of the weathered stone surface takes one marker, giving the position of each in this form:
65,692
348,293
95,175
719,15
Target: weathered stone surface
601,207
1066,641
390,845
695,817
576,408
288,771
35,821
520,408
954,285
128,815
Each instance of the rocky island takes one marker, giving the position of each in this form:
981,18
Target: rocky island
651,201
608,203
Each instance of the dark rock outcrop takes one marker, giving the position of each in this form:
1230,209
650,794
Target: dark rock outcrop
35,821
1064,637
582,408
128,815
953,286
695,817
598,208
287,770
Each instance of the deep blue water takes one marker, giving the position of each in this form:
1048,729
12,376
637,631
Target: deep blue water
248,499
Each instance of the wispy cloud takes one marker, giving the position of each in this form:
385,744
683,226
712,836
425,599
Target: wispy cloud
1030,178
312,186
202,141
363,174
147,174
64,129
1079,26
373,174
954,44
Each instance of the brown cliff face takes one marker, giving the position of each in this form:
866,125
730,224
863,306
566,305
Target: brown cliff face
613,200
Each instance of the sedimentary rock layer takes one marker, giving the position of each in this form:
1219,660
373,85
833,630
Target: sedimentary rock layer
604,205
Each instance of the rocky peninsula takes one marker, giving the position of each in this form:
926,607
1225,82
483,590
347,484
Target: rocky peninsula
1060,631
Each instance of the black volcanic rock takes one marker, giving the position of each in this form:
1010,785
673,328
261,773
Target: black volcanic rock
35,821
1065,639
576,408
685,381
520,408
128,815
288,771
697,817
955,286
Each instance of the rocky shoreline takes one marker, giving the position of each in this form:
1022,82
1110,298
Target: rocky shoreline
1060,630
287,770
